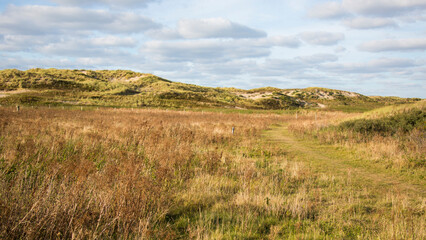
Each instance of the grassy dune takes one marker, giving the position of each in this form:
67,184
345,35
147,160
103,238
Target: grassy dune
122,88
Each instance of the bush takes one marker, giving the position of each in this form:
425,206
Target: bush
403,122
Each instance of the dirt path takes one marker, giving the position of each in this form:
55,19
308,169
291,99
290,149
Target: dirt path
330,160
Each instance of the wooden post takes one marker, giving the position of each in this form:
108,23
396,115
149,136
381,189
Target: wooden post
296,115
315,116
17,108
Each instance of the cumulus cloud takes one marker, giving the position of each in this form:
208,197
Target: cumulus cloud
109,46
318,58
216,28
283,41
38,20
369,23
207,28
334,9
216,49
322,38
301,67
231,68
328,10
204,50
394,45
121,3
279,67
163,34
16,43
383,7
373,66
114,41
339,49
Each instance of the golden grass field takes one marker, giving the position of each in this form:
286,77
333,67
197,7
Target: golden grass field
158,174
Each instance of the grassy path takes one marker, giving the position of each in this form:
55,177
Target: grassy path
330,160
354,197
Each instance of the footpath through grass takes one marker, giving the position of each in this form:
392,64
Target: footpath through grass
358,197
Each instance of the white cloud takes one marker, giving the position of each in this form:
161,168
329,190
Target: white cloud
369,23
109,46
283,41
231,68
164,34
373,66
206,28
322,38
394,45
38,20
115,3
339,49
194,50
335,9
404,10
293,68
383,7
204,50
216,28
16,43
328,10
114,41
318,58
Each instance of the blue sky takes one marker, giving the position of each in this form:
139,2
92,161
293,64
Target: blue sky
374,47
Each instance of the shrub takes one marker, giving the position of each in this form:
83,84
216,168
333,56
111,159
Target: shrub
403,122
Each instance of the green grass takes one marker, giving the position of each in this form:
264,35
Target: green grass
403,123
355,192
122,88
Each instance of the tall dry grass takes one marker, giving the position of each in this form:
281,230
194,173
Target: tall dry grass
116,173
150,174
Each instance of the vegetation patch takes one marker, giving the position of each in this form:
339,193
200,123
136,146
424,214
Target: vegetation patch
388,126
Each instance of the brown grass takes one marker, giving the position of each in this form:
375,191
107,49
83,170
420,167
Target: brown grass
158,174
117,173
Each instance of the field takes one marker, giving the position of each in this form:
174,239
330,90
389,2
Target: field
160,174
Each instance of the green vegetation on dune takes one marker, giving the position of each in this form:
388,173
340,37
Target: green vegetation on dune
123,88
109,88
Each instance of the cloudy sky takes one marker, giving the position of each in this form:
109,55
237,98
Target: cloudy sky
374,47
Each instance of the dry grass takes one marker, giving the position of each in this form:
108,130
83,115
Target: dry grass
117,173
150,174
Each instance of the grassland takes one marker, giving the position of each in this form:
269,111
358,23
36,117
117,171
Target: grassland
150,174
393,136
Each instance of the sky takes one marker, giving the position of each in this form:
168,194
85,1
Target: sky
373,47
